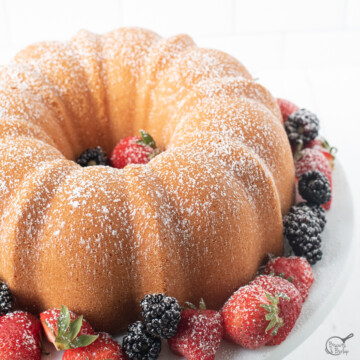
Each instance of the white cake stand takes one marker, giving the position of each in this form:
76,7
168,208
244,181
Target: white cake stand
330,273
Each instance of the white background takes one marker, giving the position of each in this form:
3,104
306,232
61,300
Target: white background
305,50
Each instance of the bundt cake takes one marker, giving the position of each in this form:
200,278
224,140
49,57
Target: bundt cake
194,222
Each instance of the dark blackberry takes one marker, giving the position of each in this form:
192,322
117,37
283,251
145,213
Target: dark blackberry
318,211
301,246
310,248
302,227
139,345
314,187
302,126
93,156
6,299
161,315
302,222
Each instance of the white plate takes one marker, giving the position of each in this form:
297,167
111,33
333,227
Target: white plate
330,278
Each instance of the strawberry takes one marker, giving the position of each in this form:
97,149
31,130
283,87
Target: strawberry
251,316
198,335
286,108
295,269
289,310
20,336
310,159
103,348
322,145
65,329
134,150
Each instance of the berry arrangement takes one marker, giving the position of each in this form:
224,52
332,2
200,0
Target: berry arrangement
129,150
260,313
314,162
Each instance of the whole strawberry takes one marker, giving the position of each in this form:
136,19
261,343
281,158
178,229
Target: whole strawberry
310,159
134,150
294,268
20,336
103,348
286,107
251,316
199,334
322,145
290,307
65,329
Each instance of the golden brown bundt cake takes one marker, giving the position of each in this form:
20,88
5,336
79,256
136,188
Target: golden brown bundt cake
194,222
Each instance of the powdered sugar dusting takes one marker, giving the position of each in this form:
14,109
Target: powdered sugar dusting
20,336
179,224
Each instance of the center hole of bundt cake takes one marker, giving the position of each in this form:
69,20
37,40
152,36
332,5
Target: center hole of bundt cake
129,150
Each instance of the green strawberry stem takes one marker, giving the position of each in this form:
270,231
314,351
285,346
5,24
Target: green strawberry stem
282,275
202,305
331,149
67,332
146,139
275,321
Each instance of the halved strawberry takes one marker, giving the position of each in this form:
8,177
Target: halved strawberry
65,329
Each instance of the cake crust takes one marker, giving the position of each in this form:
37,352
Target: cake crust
195,222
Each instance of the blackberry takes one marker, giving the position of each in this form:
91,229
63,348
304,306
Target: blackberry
302,222
318,211
93,156
161,315
6,299
302,126
302,227
314,187
139,345
310,248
